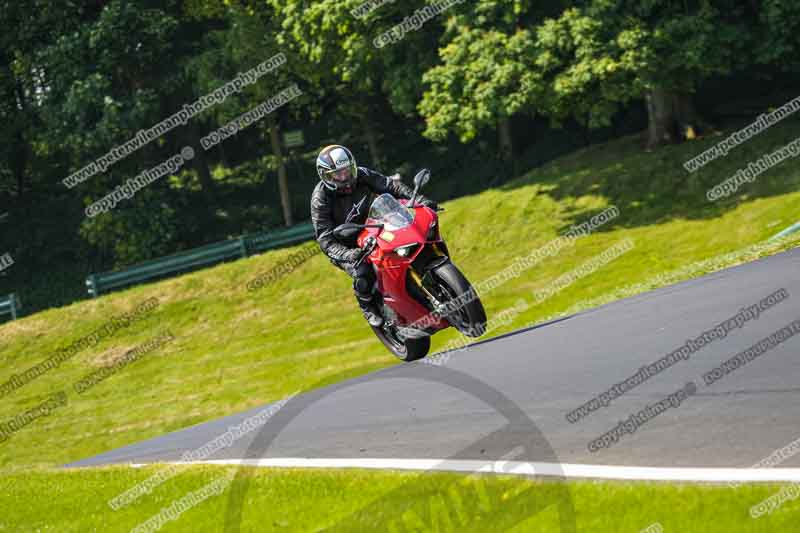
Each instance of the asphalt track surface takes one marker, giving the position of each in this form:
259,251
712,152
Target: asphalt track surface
551,369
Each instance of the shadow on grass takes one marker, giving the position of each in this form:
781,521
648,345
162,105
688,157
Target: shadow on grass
653,187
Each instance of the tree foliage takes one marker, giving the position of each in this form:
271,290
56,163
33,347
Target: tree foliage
80,77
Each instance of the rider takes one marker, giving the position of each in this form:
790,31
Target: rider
345,194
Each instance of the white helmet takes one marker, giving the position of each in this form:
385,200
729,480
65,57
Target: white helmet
337,168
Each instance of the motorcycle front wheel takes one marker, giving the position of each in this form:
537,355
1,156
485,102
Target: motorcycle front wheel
468,317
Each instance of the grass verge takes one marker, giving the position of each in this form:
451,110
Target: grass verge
358,500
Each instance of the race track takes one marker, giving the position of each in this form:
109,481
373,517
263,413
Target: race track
421,411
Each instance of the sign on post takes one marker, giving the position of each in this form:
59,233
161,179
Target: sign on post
293,138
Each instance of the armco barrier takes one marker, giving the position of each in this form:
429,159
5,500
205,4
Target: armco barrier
10,305
794,228
199,257
266,241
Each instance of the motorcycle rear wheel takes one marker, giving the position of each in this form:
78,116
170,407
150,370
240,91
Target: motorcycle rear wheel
410,350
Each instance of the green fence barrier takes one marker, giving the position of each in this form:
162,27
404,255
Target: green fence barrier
10,305
266,241
208,255
794,228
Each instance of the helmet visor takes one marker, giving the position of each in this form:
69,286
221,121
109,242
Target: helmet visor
343,175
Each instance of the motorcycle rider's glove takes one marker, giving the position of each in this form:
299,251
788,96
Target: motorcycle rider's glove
353,255
427,202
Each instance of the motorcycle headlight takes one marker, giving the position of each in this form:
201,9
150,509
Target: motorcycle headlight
405,251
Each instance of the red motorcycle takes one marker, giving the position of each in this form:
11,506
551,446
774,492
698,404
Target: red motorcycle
420,291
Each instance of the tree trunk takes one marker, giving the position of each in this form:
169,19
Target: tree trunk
671,117
20,163
372,141
686,117
505,141
283,182
660,119
23,150
200,163
586,130
506,145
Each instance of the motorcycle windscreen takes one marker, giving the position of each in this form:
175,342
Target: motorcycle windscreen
392,214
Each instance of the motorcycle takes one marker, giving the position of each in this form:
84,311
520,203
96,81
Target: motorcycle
419,289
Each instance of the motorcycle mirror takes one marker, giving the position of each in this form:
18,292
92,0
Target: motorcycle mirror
420,180
347,231
422,177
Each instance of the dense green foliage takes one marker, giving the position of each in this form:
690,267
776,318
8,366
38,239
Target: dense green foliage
476,92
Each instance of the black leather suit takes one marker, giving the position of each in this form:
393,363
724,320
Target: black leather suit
329,209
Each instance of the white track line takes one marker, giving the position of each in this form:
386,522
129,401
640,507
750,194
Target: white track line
636,473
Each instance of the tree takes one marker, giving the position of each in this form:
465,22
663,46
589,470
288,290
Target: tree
584,63
777,28
483,81
354,78
600,57
27,30
102,82
247,40
486,74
